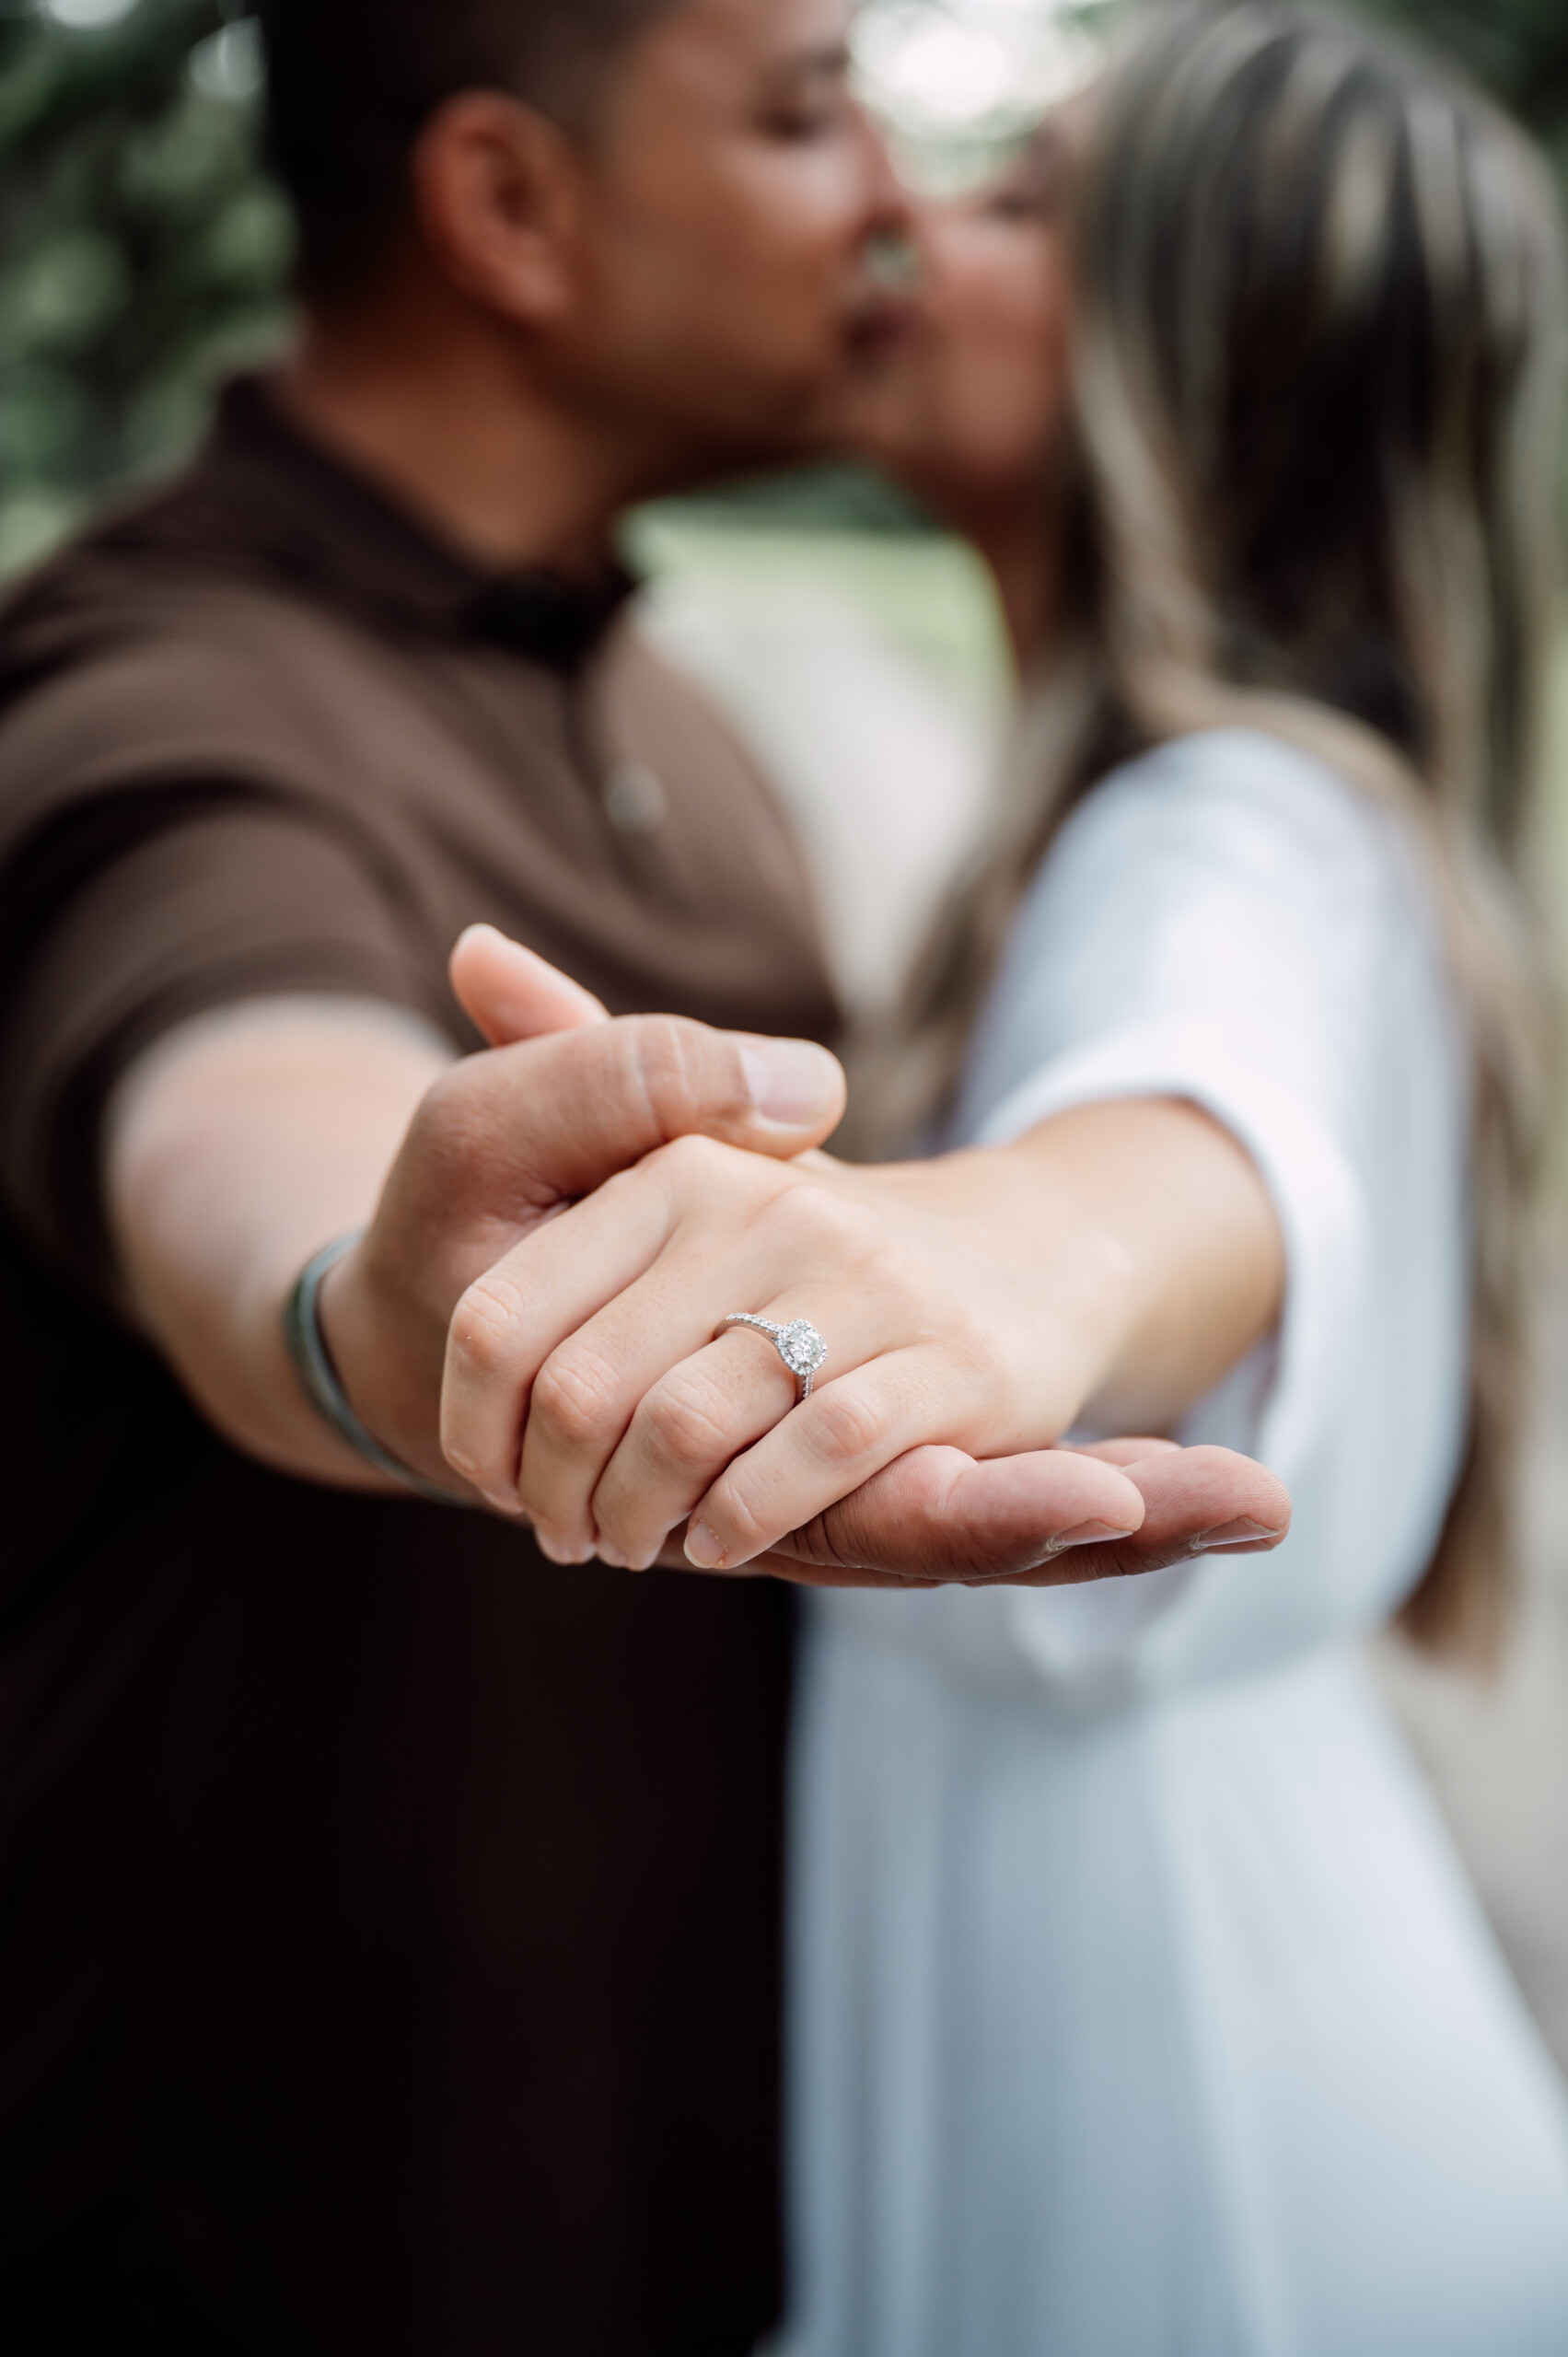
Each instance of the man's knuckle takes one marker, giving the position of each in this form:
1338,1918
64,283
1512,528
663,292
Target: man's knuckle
689,1073
447,1103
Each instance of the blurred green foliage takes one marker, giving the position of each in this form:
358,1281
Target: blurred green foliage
143,252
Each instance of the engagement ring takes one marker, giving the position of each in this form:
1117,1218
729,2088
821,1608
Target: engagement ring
799,1344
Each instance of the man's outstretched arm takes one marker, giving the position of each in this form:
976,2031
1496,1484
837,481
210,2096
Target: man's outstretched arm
248,1140
243,1143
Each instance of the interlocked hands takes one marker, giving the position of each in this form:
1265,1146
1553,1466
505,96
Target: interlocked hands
584,1389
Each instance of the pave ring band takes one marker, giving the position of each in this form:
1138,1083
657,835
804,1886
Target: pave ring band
799,1345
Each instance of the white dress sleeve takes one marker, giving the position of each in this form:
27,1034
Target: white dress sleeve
1229,921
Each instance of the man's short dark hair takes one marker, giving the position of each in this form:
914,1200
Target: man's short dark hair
351,83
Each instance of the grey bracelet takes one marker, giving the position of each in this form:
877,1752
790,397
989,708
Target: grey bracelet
319,1376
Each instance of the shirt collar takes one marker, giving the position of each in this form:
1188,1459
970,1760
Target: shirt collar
283,500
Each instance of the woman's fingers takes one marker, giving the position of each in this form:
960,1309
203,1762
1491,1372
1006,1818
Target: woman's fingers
699,1416
596,1384
620,1443
552,1285
829,1446
745,1232
512,1317
683,1432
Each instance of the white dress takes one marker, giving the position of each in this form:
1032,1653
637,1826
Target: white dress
1142,2008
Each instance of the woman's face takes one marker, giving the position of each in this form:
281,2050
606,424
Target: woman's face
967,408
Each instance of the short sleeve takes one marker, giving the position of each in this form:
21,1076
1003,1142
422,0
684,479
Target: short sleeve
130,902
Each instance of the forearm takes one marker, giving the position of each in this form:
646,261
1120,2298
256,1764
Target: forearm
235,1151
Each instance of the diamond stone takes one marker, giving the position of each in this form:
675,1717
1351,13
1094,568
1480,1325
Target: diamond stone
801,1347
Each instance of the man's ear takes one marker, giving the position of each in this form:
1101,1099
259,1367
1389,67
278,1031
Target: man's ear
497,195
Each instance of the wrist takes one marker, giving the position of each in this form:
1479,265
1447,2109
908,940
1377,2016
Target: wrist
355,1376
1063,1263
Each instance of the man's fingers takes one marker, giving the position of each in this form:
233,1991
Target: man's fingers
640,1081
936,1516
511,993
513,1133
1129,1452
1196,1501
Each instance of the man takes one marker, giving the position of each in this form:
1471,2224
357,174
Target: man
389,1953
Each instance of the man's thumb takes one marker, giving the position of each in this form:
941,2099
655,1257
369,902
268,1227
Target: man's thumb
751,1090
510,993
601,1099
548,1119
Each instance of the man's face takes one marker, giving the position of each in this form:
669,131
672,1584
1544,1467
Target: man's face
730,190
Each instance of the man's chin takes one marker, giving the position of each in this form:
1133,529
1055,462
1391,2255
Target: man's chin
723,465
837,416
717,454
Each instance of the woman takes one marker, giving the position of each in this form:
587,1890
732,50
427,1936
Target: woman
1143,2011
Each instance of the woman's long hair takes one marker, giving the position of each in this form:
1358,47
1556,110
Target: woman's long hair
1311,486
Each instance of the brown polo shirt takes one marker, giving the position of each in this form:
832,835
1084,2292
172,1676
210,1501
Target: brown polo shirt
389,1921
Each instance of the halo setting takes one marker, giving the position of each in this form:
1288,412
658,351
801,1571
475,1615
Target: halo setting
799,1344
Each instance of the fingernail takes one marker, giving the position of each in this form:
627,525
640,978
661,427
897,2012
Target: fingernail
612,1556
703,1549
1088,1534
561,1550
1240,1533
790,1080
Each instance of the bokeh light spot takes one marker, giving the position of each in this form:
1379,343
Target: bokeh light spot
86,15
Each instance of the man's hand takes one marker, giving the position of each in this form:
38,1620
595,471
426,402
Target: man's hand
247,1141
242,1144
936,1516
505,1140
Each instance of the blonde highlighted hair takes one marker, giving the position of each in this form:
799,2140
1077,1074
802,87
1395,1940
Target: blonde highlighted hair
1311,486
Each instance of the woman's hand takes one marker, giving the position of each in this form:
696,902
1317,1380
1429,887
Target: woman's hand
979,1302
600,1339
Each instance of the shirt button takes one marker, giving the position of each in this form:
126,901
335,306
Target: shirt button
634,798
